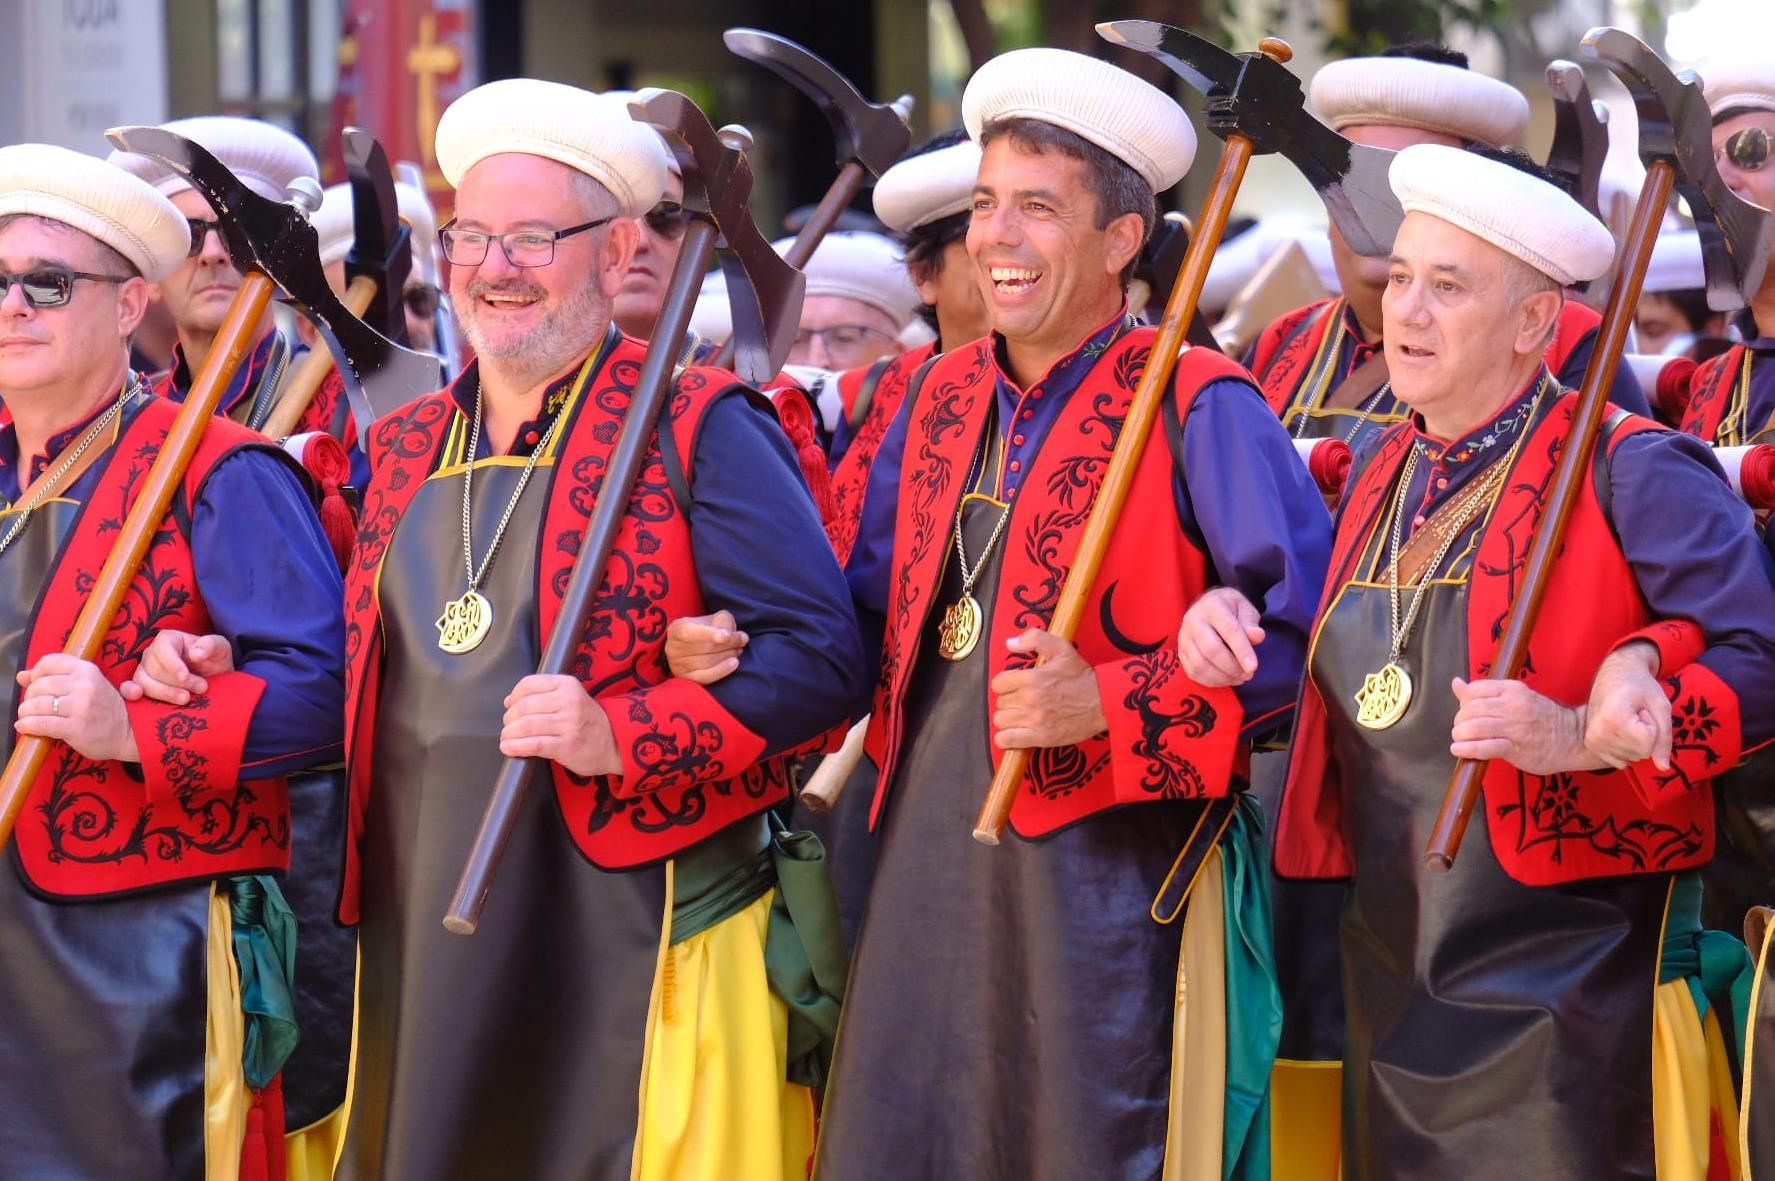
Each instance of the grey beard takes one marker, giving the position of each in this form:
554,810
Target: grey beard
565,335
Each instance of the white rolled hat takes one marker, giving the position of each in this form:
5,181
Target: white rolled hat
925,188
1729,87
1676,263
588,132
1520,214
336,227
119,209
861,266
263,155
1430,96
1127,117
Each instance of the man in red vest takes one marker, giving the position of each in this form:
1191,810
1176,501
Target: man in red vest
142,860
1487,1005
1322,367
1032,980
613,1017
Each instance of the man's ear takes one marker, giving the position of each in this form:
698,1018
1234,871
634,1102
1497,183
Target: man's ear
132,304
1123,239
620,242
1538,317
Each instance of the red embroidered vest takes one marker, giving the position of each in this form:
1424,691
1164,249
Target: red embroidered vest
1710,394
1169,738
851,478
91,829
1545,830
695,767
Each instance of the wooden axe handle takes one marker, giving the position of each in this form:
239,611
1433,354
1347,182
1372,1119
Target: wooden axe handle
1568,477
827,782
233,341
315,367
1143,412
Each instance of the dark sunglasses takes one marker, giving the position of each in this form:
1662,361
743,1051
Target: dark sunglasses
51,287
1748,150
421,299
200,233
668,219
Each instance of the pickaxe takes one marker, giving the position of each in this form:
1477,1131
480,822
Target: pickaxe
265,239
870,136
376,270
1249,112
275,241
766,296
1254,96
1676,143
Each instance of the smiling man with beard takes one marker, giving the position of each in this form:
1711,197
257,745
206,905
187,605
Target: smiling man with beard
1012,1011
612,1018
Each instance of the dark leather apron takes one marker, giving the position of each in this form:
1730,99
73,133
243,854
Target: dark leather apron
517,1052
1495,1030
102,1002
1009,1011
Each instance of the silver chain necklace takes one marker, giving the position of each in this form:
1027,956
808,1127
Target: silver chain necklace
467,620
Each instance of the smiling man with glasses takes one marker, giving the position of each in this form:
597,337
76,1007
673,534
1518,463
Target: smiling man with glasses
612,1018
142,851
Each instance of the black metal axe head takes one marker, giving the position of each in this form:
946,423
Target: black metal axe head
764,291
874,135
1580,135
381,244
1676,127
275,238
1255,96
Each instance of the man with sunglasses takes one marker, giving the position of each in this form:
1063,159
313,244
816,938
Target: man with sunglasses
612,1017
636,307
141,857
267,159
1730,400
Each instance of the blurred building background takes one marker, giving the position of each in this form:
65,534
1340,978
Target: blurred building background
71,68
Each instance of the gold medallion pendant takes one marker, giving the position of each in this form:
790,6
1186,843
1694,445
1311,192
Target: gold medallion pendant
1384,697
464,623
960,632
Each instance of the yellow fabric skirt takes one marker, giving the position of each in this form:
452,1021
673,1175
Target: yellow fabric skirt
714,1102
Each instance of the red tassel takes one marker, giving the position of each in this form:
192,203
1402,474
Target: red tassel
1671,400
262,1153
327,463
796,413
1756,477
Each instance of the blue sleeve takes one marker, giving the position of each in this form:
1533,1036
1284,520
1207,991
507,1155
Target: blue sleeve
1704,563
762,554
272,587
1626,392
1243,490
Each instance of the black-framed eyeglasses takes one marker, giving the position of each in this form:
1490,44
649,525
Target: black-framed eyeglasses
1747,149
668,219
523,248
841,340
421,299
51,287
200,233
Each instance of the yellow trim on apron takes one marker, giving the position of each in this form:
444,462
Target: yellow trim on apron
1306,1120
1763,962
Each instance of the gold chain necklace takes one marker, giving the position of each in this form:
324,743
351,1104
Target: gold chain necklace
132,387
467,620
1386,695
962,619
